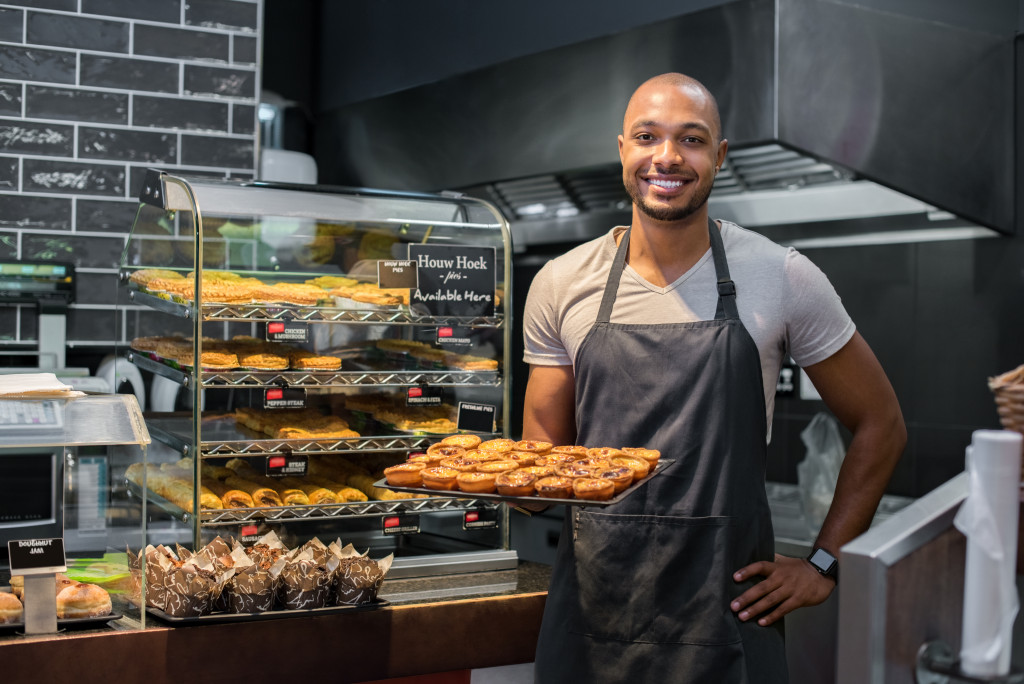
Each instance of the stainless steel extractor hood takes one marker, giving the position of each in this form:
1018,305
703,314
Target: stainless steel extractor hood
861,115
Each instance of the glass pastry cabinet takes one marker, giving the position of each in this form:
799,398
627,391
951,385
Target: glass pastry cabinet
299,339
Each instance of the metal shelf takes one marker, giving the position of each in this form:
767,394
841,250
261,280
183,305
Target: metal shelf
221,438
355,509
319,379
308,314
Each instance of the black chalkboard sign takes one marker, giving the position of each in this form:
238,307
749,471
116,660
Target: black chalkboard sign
36,556
476,417
454,280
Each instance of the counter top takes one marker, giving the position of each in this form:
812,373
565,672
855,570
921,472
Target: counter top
432,625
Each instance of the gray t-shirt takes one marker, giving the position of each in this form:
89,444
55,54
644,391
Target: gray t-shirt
785,302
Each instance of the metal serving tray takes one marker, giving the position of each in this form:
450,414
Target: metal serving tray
215,618
516,500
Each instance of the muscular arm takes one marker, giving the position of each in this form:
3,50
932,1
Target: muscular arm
549,413
857,391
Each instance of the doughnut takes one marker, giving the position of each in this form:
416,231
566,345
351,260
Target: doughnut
649,455
10,608
620,476
80,600
533,446
593,488
497,445
440,477
464,441
554,487
445,450
476,482
515,483
18,583
639,466
604,452
405,474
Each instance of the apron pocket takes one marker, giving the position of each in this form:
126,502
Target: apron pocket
655,578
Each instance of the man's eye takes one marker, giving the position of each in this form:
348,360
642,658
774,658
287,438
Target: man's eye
644,137
691,139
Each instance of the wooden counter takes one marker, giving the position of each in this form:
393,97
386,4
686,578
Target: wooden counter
433,636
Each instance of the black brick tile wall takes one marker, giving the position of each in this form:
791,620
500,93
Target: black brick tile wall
8,173
65,5
208,151
39,175
28,211
63,30
126,145
11,21
94,92
129,74
168,11
186,114
31,137
159,41
10,99
95,106
34,64
105,215
228,14
203,80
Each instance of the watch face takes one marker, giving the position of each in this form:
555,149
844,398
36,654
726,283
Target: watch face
823,560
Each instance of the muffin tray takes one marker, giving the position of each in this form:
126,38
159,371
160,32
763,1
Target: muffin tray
516,500
215,618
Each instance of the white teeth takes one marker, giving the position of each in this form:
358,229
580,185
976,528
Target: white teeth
665,184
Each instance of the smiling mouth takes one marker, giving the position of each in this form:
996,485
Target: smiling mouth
667,184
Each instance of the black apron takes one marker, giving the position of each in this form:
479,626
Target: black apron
640,590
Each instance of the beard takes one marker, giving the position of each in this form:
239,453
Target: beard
667,213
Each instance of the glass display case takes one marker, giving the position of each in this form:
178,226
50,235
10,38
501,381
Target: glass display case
63,464
297,340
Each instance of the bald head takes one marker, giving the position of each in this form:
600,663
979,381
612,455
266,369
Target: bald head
658,86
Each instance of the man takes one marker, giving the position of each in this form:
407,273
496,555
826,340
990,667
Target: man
669,334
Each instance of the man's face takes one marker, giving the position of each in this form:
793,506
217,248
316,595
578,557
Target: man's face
669,151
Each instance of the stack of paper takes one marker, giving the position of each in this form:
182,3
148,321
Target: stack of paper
35,386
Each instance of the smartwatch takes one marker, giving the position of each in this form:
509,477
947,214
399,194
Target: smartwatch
825,563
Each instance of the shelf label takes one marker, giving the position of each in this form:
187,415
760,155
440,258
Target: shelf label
423,395
398,274
408,523
249,534
36,556
284,397
287,331
480,519
454,280
279,465
476,417
452,336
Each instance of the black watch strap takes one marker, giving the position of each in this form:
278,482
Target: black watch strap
824,562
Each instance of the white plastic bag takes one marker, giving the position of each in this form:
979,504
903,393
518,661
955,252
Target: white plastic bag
818,473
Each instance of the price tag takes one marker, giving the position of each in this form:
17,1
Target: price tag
480,519
451,336
249,534
476,417
398,274
284,397
285,466
408,523
36,556
287,331
424,395
454,280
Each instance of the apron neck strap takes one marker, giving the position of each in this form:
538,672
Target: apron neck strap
726,287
